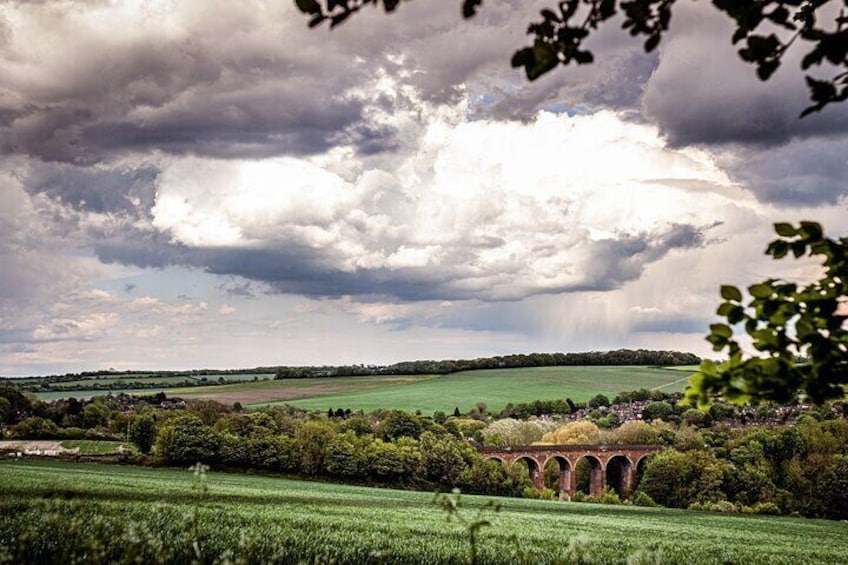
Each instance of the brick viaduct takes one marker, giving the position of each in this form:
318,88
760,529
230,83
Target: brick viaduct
613,465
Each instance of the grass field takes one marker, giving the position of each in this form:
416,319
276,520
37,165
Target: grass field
98,447
105,381
85,394
154,379
498,387
428,393
60,512
684,368
268,390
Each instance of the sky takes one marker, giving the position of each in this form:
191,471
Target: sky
191,184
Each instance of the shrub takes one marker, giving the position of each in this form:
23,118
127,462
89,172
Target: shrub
718,506
768,508
642,499
544,494
583,497
609,496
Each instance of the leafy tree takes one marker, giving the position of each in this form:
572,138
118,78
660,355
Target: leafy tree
7,415
142,432
599,400
833,488
187,440
515,432
558,39
398,423
574,433
800,331
635,432
95,414
657,411
18,403
209,411
697,418
444,458
678,479
394,461
312,440
347,455
35,428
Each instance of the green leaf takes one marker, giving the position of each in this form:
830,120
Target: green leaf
721,330
812,230
736,315
762,290
725,308
785,230
731,293
778,249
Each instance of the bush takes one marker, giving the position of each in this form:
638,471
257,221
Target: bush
70,433
697,418
583,497
657,411
609,496
34,428
642,499
768,508
718,506
535,494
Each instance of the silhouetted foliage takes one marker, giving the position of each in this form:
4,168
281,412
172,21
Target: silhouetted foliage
799,330
765,30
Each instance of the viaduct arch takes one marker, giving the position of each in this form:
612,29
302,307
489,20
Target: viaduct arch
617,462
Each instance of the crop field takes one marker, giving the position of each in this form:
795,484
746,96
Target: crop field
427,393
90,393
99,447
86,513
500,386
105,381
148,381
684,368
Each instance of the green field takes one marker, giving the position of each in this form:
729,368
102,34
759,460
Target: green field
428,393
251,392
142,379
500,386
89,393
684,368
61,512
98,447
154,378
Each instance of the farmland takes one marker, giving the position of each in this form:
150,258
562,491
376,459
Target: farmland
63,512
500,386
428,393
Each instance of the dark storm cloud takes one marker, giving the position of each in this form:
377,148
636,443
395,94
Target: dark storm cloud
803,172
304,270
273,87
92,189
616,261
702,93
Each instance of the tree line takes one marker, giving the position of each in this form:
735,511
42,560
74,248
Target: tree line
430,367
